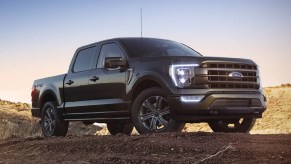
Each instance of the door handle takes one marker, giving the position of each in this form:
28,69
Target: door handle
94,78
69,82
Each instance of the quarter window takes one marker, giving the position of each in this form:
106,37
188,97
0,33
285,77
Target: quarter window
109,50
84,60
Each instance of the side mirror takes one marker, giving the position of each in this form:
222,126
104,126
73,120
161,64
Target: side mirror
114,63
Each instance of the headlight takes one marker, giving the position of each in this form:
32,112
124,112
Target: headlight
182,74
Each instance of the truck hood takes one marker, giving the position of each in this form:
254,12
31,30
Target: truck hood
196,60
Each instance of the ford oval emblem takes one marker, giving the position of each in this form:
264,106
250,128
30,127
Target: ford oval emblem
236,75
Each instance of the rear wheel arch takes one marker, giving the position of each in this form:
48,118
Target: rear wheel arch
47,96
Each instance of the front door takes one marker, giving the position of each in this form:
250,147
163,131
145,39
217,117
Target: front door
108,86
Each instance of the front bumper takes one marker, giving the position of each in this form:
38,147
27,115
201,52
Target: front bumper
218,106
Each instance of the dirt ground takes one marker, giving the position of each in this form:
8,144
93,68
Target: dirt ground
195,147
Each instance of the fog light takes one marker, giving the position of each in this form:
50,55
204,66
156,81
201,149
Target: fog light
196,98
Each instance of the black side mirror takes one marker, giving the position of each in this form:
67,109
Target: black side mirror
113,63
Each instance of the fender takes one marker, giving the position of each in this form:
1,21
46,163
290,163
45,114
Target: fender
52,91
152,76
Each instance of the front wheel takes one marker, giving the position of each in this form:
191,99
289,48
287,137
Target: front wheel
151,113
117,127
242,125
51,123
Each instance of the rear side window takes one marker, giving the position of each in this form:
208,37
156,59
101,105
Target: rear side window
84,60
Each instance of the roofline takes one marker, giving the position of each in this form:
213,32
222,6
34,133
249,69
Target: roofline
120,38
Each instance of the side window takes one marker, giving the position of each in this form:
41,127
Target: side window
109,50
84,60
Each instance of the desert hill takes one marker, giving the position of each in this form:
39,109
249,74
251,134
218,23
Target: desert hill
16,120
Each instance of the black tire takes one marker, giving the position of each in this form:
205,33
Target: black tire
117,127
51,123
242,125
88,122
151,113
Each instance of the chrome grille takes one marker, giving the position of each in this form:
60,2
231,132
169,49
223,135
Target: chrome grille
230,65
218,75
214,75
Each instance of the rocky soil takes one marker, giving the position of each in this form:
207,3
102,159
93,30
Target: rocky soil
195,147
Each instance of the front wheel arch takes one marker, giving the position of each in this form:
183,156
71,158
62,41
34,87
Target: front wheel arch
145,81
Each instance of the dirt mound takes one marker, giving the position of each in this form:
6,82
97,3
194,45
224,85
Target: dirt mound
277,118
155,148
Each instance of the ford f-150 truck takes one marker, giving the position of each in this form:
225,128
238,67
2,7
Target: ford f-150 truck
154,85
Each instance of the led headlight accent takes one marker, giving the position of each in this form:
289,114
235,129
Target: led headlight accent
182,74
183,71
195,98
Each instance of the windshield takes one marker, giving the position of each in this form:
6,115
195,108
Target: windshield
146,47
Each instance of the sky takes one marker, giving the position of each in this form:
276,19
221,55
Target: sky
38,38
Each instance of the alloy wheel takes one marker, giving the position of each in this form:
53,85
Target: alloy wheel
49,121
155,113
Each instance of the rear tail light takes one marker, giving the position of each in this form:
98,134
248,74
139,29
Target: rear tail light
33,91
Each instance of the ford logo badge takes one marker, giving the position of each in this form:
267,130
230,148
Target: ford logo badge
236,75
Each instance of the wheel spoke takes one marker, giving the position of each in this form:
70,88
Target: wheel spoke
146,116
153,125
159,102
50,127
165,111
148,105
46,126
48,114
163,121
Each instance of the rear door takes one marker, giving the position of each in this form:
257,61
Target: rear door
76,86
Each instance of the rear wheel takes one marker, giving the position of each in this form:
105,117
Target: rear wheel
116,127
151,113
242,125
51,123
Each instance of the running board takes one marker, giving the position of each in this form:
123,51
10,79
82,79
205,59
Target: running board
99,119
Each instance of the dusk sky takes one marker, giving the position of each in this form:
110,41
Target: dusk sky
38,38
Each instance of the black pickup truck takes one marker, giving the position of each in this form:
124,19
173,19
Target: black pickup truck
154,85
